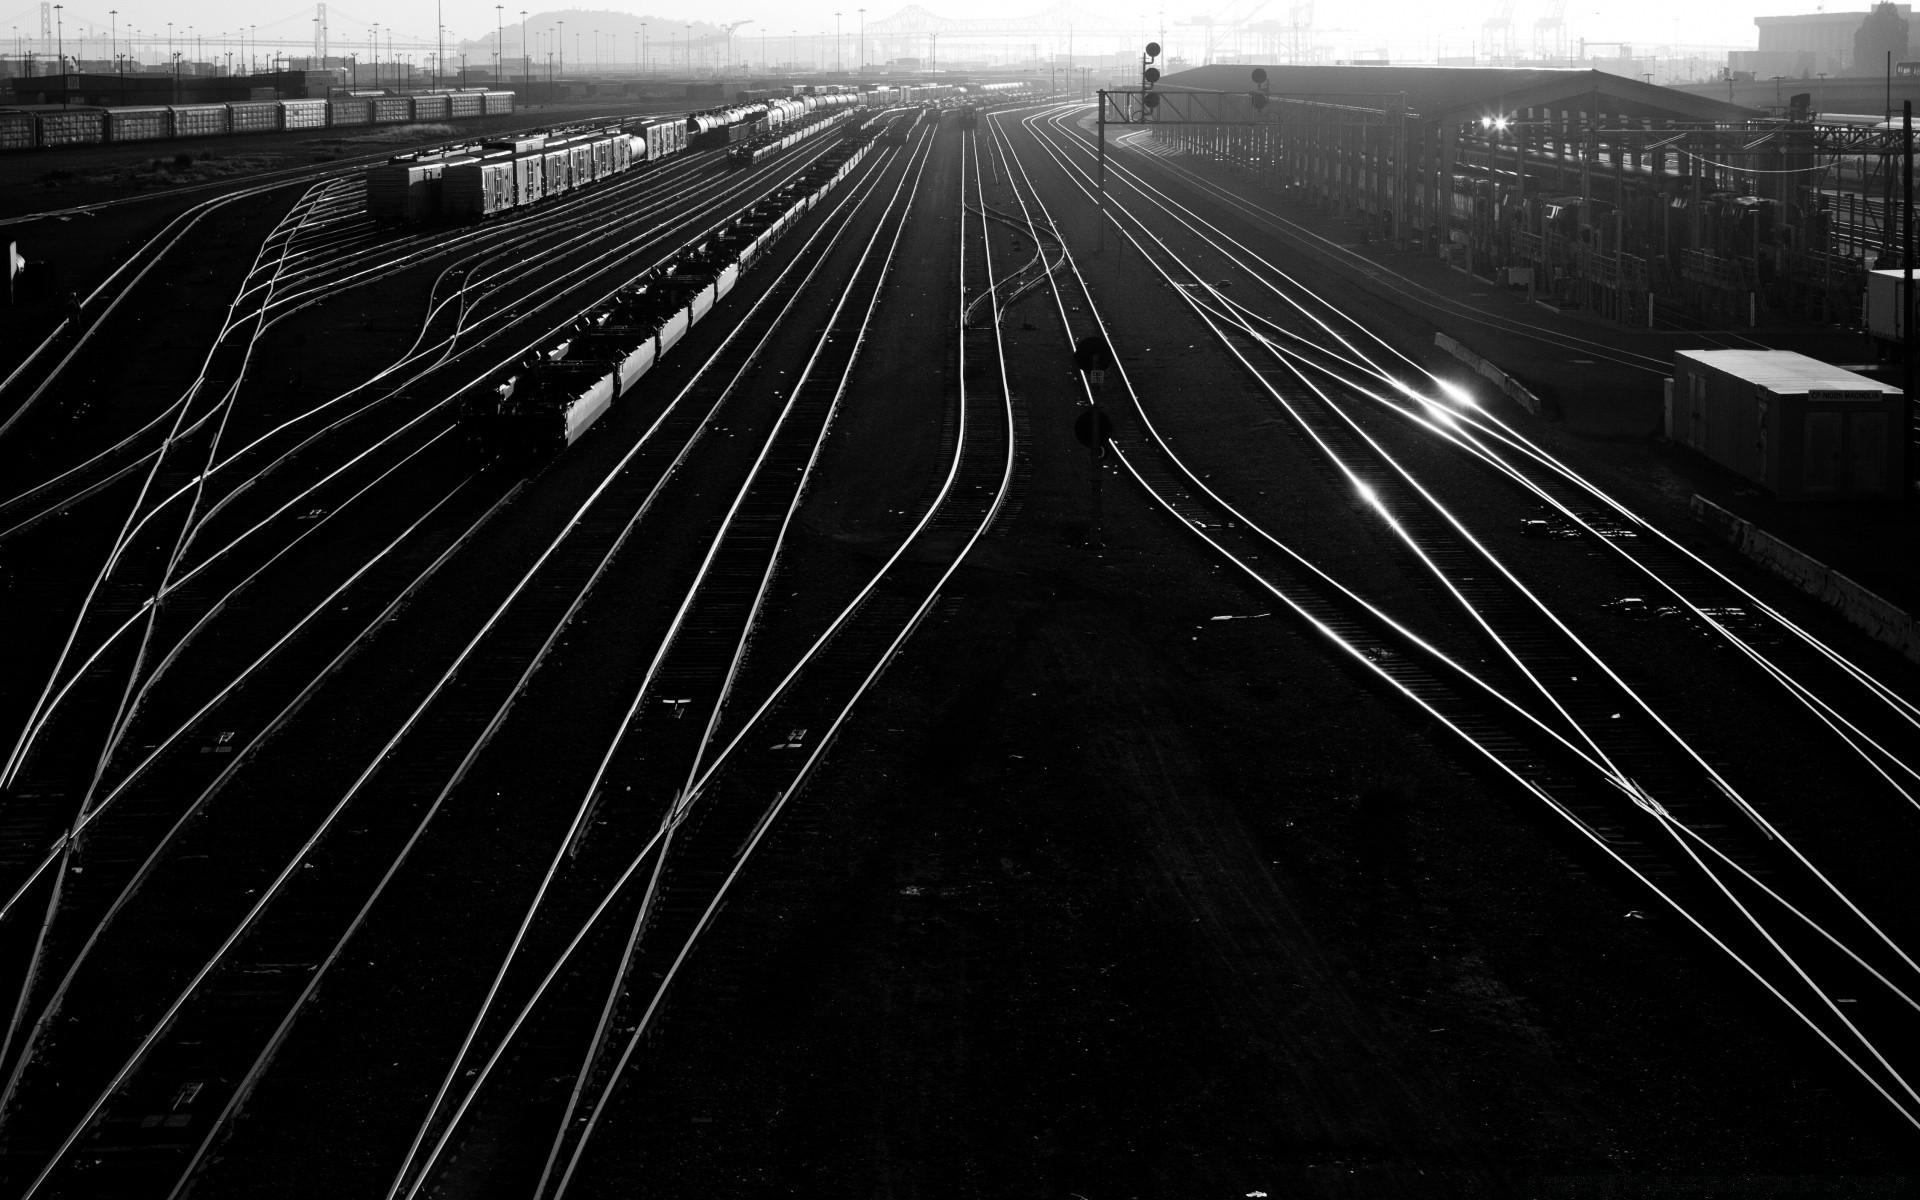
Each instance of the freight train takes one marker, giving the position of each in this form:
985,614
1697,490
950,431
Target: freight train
47,128
785,129
468,183
553,396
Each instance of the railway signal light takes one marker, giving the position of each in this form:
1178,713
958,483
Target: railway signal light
1092,354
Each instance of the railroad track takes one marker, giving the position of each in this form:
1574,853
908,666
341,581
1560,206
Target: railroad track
1312,341
669,892
330,493
1798,936
296,915
535,242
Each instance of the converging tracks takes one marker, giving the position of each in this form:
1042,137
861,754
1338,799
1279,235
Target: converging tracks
1795,933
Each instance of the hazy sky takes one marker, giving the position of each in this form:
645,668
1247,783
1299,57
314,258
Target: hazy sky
1405,24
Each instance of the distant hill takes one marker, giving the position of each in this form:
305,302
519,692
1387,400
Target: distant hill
617,30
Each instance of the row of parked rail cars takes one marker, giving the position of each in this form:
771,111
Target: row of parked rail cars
42,129
789,123
466,183
549,399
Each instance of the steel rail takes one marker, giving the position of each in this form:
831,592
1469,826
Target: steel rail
1644,802
270,893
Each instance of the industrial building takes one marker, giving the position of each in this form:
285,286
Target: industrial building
1803,45
1588,188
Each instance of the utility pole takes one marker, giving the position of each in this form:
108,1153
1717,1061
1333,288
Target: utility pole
1906,262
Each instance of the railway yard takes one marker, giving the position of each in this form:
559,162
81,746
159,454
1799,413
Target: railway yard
647,689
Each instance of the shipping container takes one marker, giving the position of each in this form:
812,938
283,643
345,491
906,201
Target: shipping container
198,120
303,114
253,117
1801,428
434,107
70,127
138,124
16,130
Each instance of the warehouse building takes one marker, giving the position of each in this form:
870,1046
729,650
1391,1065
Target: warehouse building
1586,187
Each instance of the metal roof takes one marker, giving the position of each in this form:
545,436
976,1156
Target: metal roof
1786,372
1464,93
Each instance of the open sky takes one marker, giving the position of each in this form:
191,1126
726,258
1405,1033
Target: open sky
1406,25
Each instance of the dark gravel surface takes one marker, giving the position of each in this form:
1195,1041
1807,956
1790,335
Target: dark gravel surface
1105,898
1097,896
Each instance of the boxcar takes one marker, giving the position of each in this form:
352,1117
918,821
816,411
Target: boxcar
349,110
138,124
529,179
431,108
16,130
253,117
498,103
70,127
198,120
556,177
408,189
303,114
467,104
388,109
479,187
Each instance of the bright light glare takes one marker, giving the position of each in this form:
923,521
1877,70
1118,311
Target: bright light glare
1499,122
1366,493
1457,394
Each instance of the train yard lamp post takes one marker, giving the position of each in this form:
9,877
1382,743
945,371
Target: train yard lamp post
499,41
689,45
643,48
526,60
863,40
60,47
563,47
1906,263
113,34
836,41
